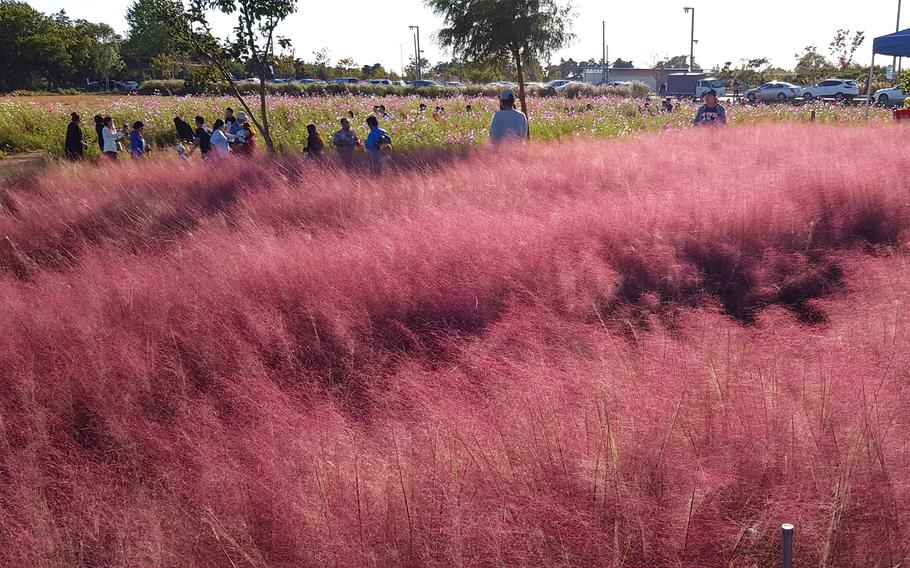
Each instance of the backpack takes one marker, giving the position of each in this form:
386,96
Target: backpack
384,140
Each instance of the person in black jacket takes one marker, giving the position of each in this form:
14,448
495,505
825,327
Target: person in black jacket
99,126
75,145
184,130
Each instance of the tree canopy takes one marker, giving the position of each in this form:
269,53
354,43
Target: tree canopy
493,29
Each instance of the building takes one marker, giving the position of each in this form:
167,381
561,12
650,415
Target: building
650,77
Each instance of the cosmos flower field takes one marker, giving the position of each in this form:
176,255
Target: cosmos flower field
35,123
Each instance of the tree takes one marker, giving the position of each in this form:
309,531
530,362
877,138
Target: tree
623,64
253,38
410,71
164,66
677,62
811,65
148,37
104,51
522,30
843,47
284,66
37,50
374,71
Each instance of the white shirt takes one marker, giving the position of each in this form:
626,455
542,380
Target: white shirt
220,143
508,124
110,138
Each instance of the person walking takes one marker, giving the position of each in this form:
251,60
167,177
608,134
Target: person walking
184,130
99,127
75,144
345,142
509,123
202,138
137,140
378,144
711,113
315,146
111,137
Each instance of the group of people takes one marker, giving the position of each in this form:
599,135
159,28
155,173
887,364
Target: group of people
232,134
236,135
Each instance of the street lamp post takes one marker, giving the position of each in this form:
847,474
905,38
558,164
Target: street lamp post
692,38
606,64
417,50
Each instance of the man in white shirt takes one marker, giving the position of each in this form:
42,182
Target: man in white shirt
508,123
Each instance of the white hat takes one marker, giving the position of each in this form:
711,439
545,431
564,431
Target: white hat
241,116
507,95
181,149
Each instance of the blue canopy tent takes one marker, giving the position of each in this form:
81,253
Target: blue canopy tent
895,45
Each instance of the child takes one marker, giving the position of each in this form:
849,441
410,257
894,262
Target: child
315,147
181,153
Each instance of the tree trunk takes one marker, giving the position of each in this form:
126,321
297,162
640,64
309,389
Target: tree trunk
264,116
521,87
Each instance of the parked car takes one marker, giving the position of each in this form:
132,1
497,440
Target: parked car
345,81
384,82
618,84
840,89
424,83
559,84
709,84
311,81
454,84
773,91
125,85
887,97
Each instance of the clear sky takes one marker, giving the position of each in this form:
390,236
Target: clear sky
372,31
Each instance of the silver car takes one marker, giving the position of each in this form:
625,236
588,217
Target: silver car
773,91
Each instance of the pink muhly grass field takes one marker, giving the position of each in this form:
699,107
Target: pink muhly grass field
647,352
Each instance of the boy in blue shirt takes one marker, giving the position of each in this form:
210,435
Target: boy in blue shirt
378,144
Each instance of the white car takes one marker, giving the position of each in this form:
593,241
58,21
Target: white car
887,97
559,84
709,84
839,89
773,91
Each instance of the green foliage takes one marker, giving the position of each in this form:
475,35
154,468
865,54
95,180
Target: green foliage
676,62
811,66
843,47
201,80
32,124
149,37
253,39
490,30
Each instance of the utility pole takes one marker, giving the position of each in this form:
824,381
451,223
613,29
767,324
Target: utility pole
605,63
417,51
692,39
897,28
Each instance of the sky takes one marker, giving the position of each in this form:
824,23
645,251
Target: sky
371,31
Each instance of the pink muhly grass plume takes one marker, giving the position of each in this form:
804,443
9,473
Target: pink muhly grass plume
647,352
